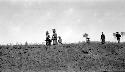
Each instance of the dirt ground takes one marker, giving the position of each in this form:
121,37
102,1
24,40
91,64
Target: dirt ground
81,57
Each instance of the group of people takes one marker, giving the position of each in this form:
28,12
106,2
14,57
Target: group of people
59,41
53,39
117,35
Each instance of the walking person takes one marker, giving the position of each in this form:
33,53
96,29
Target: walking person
103,38
118,37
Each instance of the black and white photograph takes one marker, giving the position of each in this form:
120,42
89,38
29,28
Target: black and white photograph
62,35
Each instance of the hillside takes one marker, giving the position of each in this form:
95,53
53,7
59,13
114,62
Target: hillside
80,57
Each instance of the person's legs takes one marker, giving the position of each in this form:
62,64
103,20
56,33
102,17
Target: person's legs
54,42
46,43
103,41
118,39
49,42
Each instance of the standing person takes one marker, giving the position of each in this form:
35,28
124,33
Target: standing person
60,40
118,37
86,36
87,40
48,40
103,38
54,37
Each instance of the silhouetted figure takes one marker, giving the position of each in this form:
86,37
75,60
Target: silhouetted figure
103,38
118,37
60,40
48,40
87,38
54,37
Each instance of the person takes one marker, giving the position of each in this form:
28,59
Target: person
48,40
60,40
54,37
103,38
118,37
87,40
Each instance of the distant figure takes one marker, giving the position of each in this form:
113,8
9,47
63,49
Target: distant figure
118,37
103,38
48,40
60,40
87,40
54,37
86,36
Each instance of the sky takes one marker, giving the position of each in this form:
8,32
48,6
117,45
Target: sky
28,20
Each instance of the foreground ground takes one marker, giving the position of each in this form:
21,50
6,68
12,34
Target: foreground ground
81,57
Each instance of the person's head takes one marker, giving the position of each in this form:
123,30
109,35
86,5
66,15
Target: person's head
59,37
54,30
102,32
117,32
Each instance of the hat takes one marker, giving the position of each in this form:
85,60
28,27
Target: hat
54,30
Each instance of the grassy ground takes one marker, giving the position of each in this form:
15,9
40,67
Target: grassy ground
80,57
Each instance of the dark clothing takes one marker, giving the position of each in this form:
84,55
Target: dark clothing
48,40
54,38
118,37
103,41
60,41
102,38
87,40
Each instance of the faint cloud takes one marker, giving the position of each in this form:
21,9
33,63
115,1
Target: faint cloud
69,12
15,30
78,20
67,33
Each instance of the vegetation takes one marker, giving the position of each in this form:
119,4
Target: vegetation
73,57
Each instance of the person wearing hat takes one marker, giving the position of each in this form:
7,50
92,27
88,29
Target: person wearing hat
118,37
54,37
60,40
48,40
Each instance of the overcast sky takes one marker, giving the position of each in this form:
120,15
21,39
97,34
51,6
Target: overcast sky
28,20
